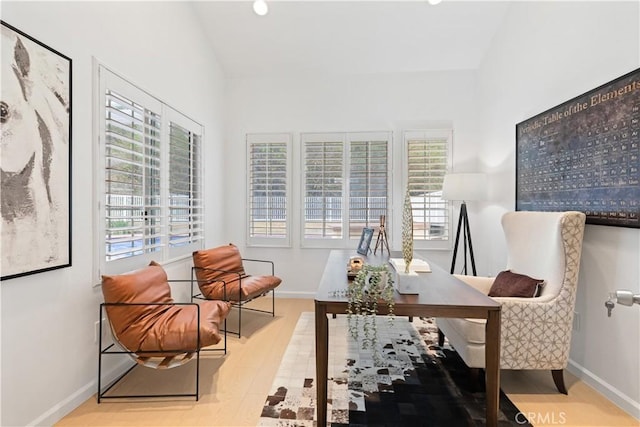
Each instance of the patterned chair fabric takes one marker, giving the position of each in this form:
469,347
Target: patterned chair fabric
535,332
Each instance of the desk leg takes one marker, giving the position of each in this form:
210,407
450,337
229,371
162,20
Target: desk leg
492,366
322,356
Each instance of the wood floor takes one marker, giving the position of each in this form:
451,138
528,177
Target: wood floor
233,387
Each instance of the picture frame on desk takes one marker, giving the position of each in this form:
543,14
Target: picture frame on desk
365,241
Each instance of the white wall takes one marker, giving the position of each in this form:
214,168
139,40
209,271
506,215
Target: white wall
391,102
545,54
49,356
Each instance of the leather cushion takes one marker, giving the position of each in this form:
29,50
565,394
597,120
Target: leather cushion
223,263
239,285
509,284
149,327
240,289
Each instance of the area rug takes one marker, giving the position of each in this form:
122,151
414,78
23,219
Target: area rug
414,383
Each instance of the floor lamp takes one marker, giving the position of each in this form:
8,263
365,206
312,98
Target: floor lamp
464,187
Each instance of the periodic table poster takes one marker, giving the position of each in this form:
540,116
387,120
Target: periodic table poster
584,155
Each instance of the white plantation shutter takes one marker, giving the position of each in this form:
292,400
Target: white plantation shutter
336,165
428,159
268,189
148,182
368,181
323,186
132,178
186,216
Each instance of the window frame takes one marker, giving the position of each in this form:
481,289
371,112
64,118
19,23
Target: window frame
269,138
447,134
345,138
105,79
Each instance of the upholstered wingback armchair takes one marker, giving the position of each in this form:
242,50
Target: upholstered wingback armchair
545,248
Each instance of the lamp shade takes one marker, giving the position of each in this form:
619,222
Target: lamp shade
464,186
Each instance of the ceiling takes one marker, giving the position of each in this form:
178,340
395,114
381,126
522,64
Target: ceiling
349,37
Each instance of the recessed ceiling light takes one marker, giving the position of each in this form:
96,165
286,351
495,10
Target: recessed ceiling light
260,7
434,2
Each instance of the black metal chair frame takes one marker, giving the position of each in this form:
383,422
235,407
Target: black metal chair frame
240,304
102,394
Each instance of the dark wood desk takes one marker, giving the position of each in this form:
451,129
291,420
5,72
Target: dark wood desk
441,296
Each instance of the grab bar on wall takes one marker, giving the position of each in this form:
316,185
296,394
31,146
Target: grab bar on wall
621,296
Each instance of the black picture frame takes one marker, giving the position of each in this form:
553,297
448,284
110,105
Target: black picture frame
36,159
583,155
365,241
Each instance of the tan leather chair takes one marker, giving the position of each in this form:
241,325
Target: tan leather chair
152,329
220,275
535,330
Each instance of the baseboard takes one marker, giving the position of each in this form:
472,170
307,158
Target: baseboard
58,411
295,294
620,399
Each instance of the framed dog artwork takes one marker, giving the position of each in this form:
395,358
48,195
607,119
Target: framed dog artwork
35,157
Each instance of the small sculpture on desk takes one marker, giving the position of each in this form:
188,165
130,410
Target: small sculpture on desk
407,232
355,265
382,236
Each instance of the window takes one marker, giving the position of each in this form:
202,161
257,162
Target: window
368,180
339,164
427,161
186,213
268,189
149,184
323,187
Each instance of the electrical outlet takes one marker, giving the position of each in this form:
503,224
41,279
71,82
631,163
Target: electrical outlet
104,329
96,331
576,321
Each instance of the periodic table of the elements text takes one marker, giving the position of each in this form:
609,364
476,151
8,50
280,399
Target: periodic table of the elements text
584,155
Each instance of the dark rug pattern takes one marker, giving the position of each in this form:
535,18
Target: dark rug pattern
418,382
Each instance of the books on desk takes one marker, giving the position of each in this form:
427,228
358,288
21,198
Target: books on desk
416,266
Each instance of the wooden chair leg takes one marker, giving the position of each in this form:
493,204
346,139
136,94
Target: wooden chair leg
558,379
410,318
440,338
